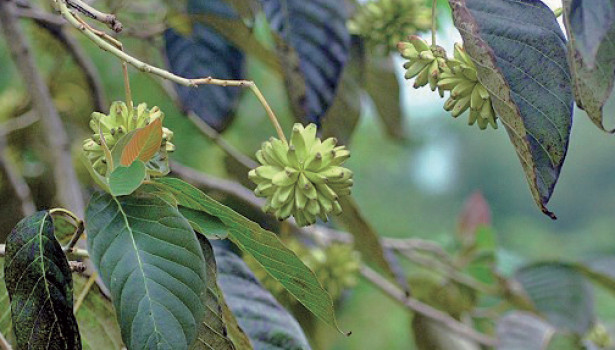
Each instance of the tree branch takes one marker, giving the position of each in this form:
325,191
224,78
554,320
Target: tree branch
444,319
4,344
106,18
67,184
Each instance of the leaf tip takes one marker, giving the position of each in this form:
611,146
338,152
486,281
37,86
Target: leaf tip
548,213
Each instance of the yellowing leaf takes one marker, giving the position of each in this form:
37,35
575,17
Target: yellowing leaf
143,145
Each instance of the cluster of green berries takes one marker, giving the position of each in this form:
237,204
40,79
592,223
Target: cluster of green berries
386,22
336,267
430,65
118,123
303,179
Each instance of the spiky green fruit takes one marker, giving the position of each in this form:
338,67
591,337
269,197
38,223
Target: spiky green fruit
384,23
466,92
425,62
118,123
303,179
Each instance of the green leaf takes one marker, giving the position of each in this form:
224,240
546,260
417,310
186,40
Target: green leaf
560,293
148,256
205,224
142,144
520,54
96,318
125,180
279,261
6,327
383,88
525,331
314,46
39,284
266,322
591,53
213,332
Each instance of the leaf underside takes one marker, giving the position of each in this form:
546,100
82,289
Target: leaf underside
520,54
524,331
279,261
206,53
148,256
315,49
39,283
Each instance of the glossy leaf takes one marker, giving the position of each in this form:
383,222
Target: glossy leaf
96,318
39,283
143,144
314,47
591,53
525,331
203,223
266,322
520,54
148,256
202,54
125,180
279,261
559,293
213,332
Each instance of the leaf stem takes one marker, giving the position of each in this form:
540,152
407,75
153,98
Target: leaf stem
84,292
127,86
434,21
558,12
67,213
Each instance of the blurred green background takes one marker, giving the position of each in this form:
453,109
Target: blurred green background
414,188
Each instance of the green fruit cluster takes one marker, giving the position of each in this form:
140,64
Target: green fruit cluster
458,75
383,23
336,267
303,179
118,123
426,63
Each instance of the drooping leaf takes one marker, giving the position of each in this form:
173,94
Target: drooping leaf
520,54
206,53
383,88
96,318
148,256
600,271
366,239
525,331
279,261
314,47
591,53
213,332
561,294
143,144
124,180
208,225
475,213
430,335
266,322
590,22
39,284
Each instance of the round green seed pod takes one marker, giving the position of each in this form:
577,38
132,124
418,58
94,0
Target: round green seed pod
303,179
384,23
466,92
118,123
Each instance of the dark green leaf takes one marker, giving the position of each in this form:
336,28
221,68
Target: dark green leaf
520,53
40,286
213,332
314,51
202,54
125,180
279,261
525,331
205,224
592,76
268,324
559,293
589,23
96,318
148,256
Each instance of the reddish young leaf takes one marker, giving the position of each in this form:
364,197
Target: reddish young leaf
475,213
143,145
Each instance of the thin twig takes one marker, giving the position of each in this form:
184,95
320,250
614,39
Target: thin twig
20,186
70,247
434,19
18,123
68,189
84,292
4,344
76,253
436,315
95,36
106,18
